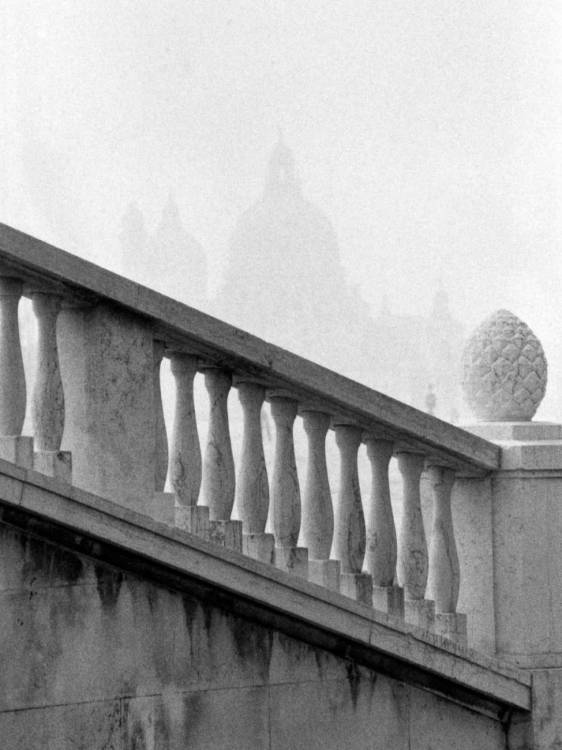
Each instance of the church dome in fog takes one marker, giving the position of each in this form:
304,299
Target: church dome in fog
284,273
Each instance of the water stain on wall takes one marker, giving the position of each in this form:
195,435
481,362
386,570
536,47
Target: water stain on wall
108,585
44,562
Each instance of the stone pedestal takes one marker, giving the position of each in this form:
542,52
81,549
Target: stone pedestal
525,554
107,362
227,534
325,573
54,464
389,599
193,518
358,586
18,450
293,560
420,612
259,547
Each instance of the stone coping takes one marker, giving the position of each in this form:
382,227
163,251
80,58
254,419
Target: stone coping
98,528
503,432
528,446
188,329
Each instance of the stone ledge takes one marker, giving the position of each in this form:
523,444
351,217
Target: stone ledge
103,530
520,431
543,455
530,446
534,660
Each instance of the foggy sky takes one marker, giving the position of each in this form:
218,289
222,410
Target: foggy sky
429,132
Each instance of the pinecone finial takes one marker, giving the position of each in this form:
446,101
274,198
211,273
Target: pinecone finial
504,370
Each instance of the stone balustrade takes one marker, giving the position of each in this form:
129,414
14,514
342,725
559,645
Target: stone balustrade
101,343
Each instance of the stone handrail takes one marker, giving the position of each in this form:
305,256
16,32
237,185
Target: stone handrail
101,341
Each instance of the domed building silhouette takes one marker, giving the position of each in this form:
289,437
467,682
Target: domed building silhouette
284,279
285,282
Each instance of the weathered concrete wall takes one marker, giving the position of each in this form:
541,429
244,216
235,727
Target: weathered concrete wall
95,659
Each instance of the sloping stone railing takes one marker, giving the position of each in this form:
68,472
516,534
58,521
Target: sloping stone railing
101,342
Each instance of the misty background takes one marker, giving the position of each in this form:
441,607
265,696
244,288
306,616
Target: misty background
427,133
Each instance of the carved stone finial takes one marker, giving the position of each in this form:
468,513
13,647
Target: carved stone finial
504,370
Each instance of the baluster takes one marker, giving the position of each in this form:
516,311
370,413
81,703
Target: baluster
317,530
285,493
381,552
412,547
13,447
47,412
218,464
185,453
252,490
161,448
444,573
349,537
161,505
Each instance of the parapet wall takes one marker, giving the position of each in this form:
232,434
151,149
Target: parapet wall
95,658
115,635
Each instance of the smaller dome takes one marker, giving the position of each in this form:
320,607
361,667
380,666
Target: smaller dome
177,264
281,172
440,304
504,370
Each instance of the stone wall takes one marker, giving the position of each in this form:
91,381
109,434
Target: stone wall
93,658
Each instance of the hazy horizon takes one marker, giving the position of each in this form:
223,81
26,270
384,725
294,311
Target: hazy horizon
429,134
